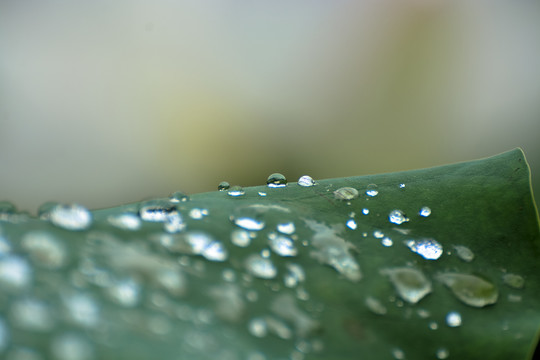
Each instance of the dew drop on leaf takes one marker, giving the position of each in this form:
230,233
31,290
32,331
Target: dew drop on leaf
346,193
398,354
470,289
71,346
386,241
424,211
276,180
397,217
125,292
464,253
429,249
365,211
514,280
157,210
222,186
70,217
125,221
351,224
442,353
257,327
15,273
44,249
372,190
236,191
282,245
306,181
375,306
32,315
295,275
178,196
287,228
240,237
410,284
453,319
260,267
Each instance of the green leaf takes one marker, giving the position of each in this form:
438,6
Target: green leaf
440,263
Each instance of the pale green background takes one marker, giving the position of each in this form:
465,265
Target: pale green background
105,102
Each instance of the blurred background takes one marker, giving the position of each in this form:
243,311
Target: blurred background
107,102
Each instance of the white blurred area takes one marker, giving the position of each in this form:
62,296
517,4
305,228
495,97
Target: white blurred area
106,102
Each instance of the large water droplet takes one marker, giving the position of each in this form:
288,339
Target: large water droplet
375,306
306,181
470,289
249,223
70,217
125,221
397,217
429,249
224,185
260,267
372,190
346,193
295,275
157,210
287,228
464,253
249,218
44,249
276,180
240,237
424,211
71,346
15,273
410,284
236,191
453,319
514,280
32,315
282,245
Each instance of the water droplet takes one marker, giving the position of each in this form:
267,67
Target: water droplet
81,309
429,249
514,298
44,249
178,196
249,218
71,346
375,306
464,253
351,224
282,245
125,292
386,241
32,315
203,244
235,191
453,319
410,284
306,181
442,353
157,210
346,193
276,180
70,217
174,223
294,276
365,211
223,186
197,214
425,211
333,250
125,221
257,327
372,190
171,280
433,325
15,273
402,186
397,217
470,289
514,280
249,223
260,267
378,234
240,238
287,228
265,253
262,194
398,354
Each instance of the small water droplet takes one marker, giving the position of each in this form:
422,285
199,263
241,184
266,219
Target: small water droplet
386,241
197,214
262,194
425,211
15,273
433,325
222,186
410,284
365,211
402,186
282,245
265,253
514,298
351,224
70,217
514,280
257,327
240,237
397,217
429,249
71,346
453,319
203,244
378,234
178,196
125,221
398,354
249,223
470,289
44,249
260,267
125,292
235,191
157,210
306,181
276,180
286,228
442,353
464,253
31,315
346,193
294,276
375,306
174,223
81,309
372,190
